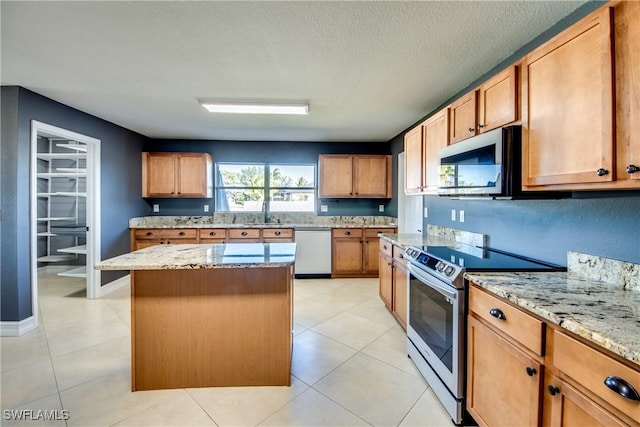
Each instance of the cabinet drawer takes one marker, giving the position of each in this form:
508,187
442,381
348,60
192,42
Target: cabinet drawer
589,368
346,232
271,233
244,233
398,255
386,247
525,329
373,232
165,233
212,233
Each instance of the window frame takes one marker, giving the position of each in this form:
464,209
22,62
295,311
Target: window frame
266,188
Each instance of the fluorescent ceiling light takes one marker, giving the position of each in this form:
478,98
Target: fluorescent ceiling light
254,107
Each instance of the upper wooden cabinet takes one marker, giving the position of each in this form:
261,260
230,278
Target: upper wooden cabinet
490,106
421,145
359,176
464,117
568,132
177,175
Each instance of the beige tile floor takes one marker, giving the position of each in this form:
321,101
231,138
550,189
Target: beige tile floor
349,367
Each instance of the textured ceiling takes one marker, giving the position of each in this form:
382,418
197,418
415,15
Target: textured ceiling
368,69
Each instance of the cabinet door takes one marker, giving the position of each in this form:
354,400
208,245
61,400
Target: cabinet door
464,117
503,383
400,294
386,280
158,175
436,136
347,256
372,176
568,134
371,255
627,61
570,408
192,175
335,176
413,161
497,103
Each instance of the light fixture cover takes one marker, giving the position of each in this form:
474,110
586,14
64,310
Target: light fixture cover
255,107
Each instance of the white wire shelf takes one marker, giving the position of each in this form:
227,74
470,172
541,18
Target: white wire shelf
63,193
76,147
81,249
46,175
57,219
75,272
56,258
82,171
62,156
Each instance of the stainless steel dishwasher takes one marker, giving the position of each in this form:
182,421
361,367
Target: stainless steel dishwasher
313,252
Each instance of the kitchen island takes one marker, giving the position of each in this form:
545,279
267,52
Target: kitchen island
210,315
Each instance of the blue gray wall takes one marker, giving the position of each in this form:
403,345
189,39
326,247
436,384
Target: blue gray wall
270,152
120,187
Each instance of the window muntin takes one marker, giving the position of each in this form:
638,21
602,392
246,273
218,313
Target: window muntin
244,187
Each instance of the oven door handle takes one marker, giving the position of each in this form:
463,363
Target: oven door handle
431,282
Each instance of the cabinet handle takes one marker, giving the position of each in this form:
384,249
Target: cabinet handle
602,172
356,193
212,233
179,192
277,233
385,247
622,387
168,242
173,192
347,233
244,233
149,233
553,390
531,371
471,130
350,193
497,313
181,233
633,169
400,256
480,126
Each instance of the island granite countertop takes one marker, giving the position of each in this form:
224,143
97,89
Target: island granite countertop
197,256
606,315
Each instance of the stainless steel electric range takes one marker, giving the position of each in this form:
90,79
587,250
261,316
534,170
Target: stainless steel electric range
437,309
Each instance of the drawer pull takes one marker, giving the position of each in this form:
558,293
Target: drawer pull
277,233
553,390
244,233
622,387
498,314
347,233
181,233
149,233
400,256
385,247
531,371
212,233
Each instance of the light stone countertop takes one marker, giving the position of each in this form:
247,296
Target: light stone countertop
197,256
599,312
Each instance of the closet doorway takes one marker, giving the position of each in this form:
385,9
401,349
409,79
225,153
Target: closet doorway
65,206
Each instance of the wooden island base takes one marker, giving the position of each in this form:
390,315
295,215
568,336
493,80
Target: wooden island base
211,327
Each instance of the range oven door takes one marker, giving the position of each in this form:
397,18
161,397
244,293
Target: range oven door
436,326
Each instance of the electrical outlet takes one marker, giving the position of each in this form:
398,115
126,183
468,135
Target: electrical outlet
380,208
461,215
324,208
206,208
453,214
156,207
426,212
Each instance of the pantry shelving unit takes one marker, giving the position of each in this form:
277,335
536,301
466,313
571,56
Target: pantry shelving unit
61,194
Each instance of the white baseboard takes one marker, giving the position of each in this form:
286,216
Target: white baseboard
112,286
17,328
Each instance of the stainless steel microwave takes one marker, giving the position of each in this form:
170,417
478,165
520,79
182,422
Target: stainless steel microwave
487,165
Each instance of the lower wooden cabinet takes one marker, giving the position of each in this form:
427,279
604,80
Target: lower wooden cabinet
514,380
503,382
145,237
393,281
354,251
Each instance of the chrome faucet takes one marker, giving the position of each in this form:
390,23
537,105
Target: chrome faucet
265,207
